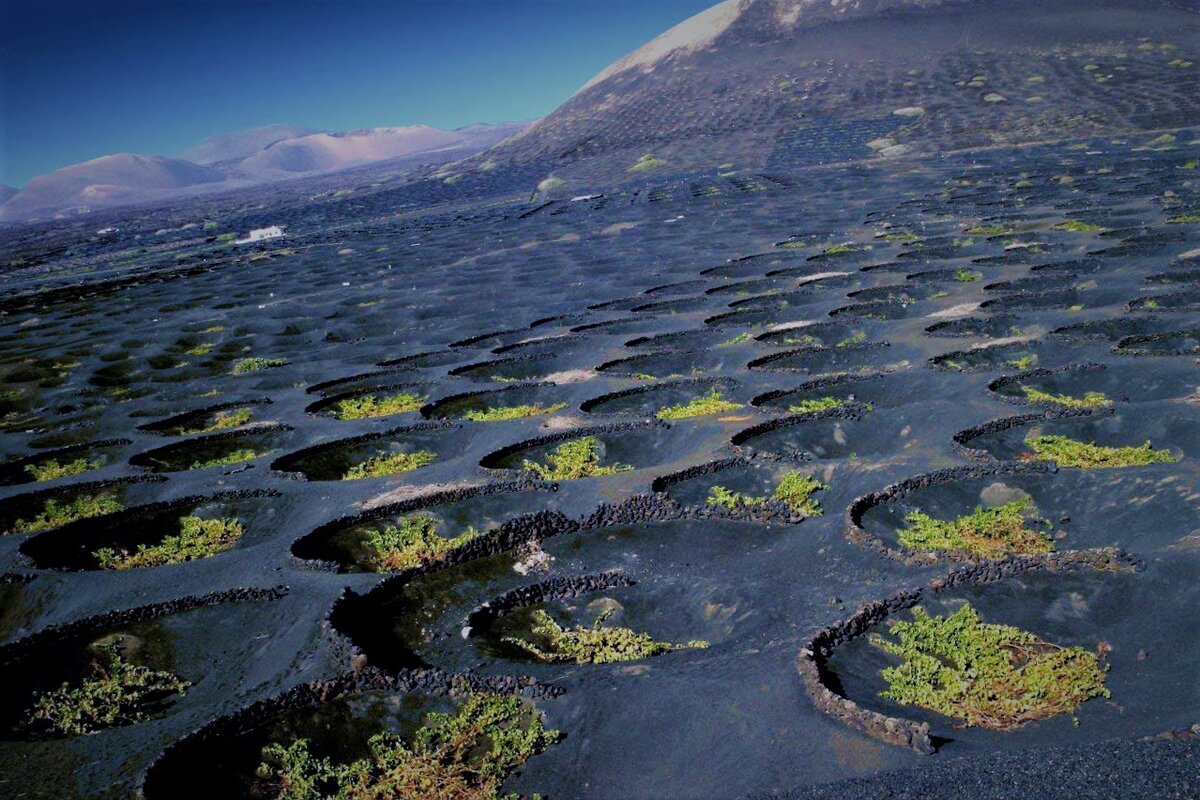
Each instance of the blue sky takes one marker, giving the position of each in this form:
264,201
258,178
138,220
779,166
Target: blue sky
80,80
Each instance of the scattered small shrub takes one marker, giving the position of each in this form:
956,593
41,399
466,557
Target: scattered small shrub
1067,452
647,163
986,532
991,676
812,405
116,693
464,755
410,544
966,275
573,459
794,489
501,413
370,406
246,365
197,538
1078,226
234,457
599,644
389,464
741,337
711,403
990,230
53,470
223,420
1024,362
1185,219
55,515
1089,399
850,341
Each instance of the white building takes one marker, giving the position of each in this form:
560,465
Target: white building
261,234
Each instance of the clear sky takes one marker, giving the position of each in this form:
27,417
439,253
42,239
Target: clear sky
84,78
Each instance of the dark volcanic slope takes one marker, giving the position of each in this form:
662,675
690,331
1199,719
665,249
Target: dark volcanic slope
935,295
784,83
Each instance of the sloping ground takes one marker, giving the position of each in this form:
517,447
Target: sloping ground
726,89
104,181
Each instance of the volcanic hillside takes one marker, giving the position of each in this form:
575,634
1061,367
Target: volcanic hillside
784,84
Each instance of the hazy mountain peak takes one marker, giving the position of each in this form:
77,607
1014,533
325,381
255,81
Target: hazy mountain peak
227,146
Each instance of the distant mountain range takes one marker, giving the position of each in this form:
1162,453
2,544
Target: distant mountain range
246,158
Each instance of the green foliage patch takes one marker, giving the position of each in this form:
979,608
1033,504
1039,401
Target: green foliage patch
1078,226
711,403
55,514
1089,399
389,464
986,532
232,457
411,543
794,489
256,364
464,755
115,693
197,538
500,413
223,420
815,404
53,469
577,458
370,406
1067,452
598,644
991,676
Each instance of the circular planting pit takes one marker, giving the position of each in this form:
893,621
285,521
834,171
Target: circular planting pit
34,512
697,339
1096,385
876,390
429,360
675,305
997,326
532,367
1130,630
64,462
1186,300
747,489
1022,438
1113,330
822,360
393,452
456,618
211,419
232,449
170,532
668,364
1169,343
537,345
840,433
1072,300
815,334
607,450
246,755
512,402
395,537
171,640
883,310
758,286
371,402
1037,282
1021,355
760,317
352,383
977,513
670,399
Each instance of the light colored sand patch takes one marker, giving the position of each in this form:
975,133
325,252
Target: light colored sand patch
1005,340
617,227
909,111
1188,255
571,376
819,276
960,310
409,492
787,326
